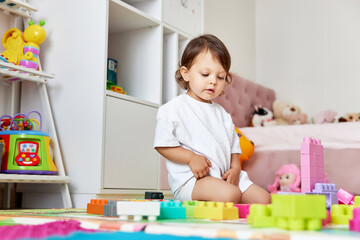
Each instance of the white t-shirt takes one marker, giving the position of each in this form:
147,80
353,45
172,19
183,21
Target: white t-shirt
204,128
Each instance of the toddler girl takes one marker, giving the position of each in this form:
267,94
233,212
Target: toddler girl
197,136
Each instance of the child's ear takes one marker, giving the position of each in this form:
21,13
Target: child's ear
184,73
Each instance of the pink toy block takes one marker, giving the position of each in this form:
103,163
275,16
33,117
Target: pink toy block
345,197
307,160
243,210
319,161
354,224
307,184
308,146
319,149
327,220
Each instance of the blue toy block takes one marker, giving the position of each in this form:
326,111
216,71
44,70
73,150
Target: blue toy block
172,210
324,187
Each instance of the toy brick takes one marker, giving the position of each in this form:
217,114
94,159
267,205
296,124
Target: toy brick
331,198
308,160
96,206
345,197
341,214
260,215
324,187
110,208
154,195
308,146
357,201
319,161
307,184
354,223
327,220
243,210
189,205
308,172
216,210
138,209
172,210
319,149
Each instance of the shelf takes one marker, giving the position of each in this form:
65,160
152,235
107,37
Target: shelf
18,7
130,98
9,71
124,17
22,178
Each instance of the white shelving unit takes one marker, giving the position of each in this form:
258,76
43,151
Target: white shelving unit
22,74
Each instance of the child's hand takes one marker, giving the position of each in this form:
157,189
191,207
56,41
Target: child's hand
232,176
199,165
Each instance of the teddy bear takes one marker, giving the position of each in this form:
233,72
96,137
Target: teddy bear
262,117
286,113
326,116
350,117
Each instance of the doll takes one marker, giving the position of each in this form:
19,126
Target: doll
287,179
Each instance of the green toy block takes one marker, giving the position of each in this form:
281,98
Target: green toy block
299,212
172,210
357,201
260,216
189,205
341,213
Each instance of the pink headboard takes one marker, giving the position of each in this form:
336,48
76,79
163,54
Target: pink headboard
241,96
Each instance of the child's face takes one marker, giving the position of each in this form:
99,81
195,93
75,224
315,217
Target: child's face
286,179
206,77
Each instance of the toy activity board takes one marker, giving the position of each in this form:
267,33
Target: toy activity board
26,148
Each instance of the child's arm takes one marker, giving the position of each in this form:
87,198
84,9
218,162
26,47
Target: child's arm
198,164
233,174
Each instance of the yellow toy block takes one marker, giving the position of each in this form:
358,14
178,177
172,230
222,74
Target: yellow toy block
357,201
260,215
341,213
216,210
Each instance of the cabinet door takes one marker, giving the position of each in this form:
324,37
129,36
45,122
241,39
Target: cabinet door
130,160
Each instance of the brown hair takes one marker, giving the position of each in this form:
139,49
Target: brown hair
195,47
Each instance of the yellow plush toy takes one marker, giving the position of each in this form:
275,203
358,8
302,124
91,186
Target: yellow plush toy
246,146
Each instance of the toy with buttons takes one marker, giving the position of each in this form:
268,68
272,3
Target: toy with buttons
26,148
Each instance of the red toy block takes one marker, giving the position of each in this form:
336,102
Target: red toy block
243,210
354,224
345,197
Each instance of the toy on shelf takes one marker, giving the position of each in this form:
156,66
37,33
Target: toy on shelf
23,49
27,148
287,179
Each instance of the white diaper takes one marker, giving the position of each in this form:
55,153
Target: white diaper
184,192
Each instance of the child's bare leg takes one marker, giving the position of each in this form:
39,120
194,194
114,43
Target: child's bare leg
215,189
255,194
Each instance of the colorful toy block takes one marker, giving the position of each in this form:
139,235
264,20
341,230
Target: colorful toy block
354,224
312,164
260,216
110,208
189,205
327,189
341,214
357,201
138,209
216,210
299,212
243,210
172,210
96,206
154,195
345,197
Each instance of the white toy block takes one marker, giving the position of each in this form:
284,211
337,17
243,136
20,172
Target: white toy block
138,209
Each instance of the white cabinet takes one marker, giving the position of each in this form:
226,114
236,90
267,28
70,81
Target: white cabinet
130,161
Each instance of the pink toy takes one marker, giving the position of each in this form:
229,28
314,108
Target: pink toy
345,197
287,179
354,224
243,210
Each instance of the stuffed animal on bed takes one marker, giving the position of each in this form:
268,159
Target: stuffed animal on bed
247,147
350,117
286,113
287,179
326,116
262,117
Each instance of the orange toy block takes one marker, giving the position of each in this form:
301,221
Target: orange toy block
96,206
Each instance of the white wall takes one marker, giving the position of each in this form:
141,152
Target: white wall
309,52
233,21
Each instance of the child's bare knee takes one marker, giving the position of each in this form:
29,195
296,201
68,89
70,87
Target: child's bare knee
233,196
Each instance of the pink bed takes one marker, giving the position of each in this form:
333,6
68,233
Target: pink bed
278,145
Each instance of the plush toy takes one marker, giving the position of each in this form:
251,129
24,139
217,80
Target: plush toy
262,117
327,116
287,179
286,113
247,147
350,117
